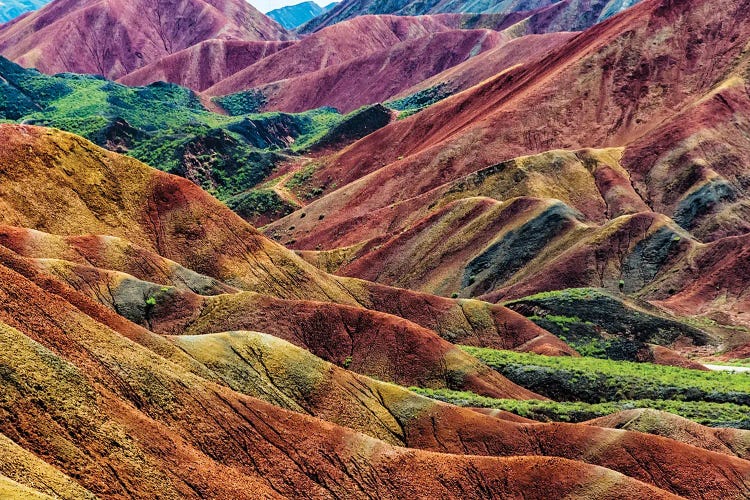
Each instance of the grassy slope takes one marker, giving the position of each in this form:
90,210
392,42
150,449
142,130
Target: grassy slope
586,388
711,414
163,125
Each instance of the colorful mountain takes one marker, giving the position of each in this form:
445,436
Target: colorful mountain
487,193
204,64
207,406
332,47
367,76
512,262
113,38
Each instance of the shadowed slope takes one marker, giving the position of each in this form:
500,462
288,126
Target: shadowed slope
614,326
204,64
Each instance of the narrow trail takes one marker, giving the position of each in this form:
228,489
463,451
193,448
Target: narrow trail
279,187
284,193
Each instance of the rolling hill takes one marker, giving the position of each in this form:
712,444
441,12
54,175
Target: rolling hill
503,251
206,407
477,174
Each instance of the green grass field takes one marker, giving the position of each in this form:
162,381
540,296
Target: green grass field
585,388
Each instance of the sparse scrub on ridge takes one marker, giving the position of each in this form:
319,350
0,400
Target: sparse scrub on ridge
604,324
242,103
420,100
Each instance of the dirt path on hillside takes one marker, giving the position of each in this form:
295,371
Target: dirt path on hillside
284,193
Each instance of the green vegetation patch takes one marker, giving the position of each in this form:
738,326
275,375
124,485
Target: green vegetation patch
711,414
165,125
257,203
242,103
418,101
600,324
592,380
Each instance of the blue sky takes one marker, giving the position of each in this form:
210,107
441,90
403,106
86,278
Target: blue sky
266,5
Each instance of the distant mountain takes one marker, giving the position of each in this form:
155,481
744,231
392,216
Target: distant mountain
11,9
392,53
204,64
113,38
292,16
580,14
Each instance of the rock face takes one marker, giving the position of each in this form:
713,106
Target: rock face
292,16
205,407
114,38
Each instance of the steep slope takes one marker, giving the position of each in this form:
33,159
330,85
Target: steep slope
138,368
204,64
11,9
521,50
100,192
292,16
124,420
330,47
124,410
481,436
113,38
372,78
159,212
131,274
682,151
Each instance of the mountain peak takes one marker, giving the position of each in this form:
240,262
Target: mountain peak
117,37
